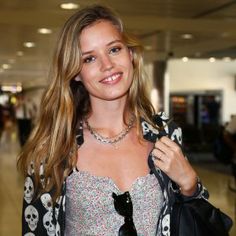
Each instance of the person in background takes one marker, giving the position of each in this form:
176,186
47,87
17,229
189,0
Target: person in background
97,161
230,139
1,121
23,114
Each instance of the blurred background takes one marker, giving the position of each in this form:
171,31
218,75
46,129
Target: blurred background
190,60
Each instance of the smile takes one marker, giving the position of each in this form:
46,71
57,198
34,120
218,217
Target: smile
111,78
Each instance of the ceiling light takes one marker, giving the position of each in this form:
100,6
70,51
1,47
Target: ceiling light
19,53
226,59
44,31
186,36
185,59
69,6
11,88
148,47
6,66
29,44
212,59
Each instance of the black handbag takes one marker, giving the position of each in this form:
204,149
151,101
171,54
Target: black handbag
197,217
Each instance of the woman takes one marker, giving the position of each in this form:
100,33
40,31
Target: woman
99,159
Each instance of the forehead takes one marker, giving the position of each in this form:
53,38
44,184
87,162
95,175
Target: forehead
99,33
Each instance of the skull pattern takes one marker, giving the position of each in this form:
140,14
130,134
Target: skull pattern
165,225
58,230
48,224
31,217
147,128
28,190
177,134
29,234
46,200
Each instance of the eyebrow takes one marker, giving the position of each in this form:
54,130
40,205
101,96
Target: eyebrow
109,44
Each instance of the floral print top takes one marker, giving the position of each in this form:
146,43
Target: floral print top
42,218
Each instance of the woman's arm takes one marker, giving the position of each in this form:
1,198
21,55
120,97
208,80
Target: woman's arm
170,159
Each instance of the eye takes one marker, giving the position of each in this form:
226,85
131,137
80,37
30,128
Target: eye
115,50
89,59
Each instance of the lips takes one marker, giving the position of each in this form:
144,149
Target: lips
112,78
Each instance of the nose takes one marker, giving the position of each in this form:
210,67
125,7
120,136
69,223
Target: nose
106,63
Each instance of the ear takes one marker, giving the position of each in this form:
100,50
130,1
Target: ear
77,78
131,54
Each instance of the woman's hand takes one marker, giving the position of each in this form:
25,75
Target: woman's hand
170,159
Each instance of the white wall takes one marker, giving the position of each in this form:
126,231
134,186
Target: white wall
196,75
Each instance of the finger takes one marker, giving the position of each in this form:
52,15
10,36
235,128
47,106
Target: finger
158,154
162,146
158,162
168,142
170,147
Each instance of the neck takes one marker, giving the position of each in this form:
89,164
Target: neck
107,113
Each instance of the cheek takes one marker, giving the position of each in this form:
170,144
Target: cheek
86,75
88,79
131,68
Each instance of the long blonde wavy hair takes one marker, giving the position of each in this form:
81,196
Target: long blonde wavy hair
52,143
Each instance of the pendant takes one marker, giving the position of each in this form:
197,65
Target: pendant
115,146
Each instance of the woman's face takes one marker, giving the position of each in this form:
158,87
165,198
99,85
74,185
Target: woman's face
107,69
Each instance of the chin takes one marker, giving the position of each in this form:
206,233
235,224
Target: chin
118,96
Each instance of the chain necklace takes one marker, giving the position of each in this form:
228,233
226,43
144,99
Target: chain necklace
111,140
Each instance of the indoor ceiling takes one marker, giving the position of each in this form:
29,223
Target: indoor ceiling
167,28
